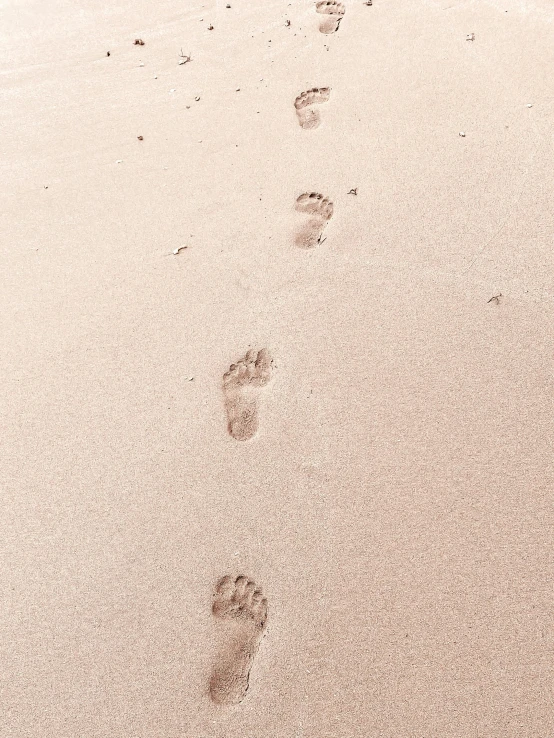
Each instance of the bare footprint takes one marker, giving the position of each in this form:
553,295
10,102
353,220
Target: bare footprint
241,387
321,211
333,13
242,608
307,116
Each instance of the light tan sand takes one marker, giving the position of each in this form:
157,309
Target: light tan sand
395,502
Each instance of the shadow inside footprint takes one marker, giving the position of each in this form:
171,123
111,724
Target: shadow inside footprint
241,608
320,209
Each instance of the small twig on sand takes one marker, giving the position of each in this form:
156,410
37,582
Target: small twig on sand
496,298
184,58
180,248
368,2
287,23
353,191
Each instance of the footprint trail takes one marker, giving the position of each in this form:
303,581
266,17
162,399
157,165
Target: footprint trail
321,211
241,610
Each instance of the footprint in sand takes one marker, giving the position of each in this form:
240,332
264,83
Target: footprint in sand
333,13
242,389
321,210
241,608
307,116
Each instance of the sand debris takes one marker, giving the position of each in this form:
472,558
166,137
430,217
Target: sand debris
138,42
179,248
495,299
462,134
470,37
353,191
140,138
185,58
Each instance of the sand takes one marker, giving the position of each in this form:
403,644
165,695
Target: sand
389,492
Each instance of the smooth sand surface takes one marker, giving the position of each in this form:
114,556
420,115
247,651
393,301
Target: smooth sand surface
394,504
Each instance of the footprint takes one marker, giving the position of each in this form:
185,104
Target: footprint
241,387
321,211
333,12
240,604
307,116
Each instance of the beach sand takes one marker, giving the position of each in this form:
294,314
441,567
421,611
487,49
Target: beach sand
386,487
